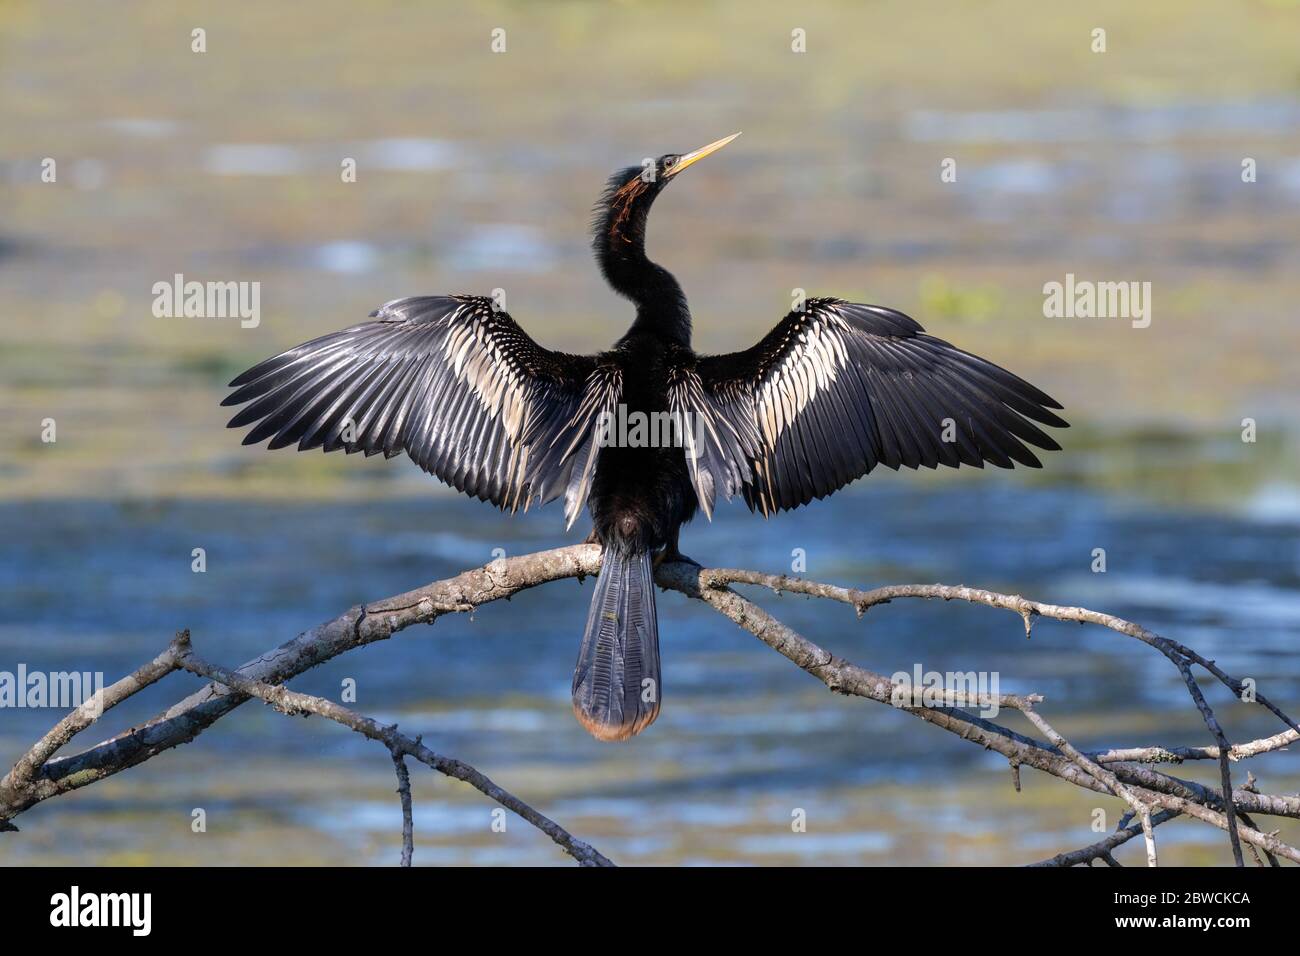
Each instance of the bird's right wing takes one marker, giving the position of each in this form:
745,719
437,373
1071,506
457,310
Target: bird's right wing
837,388
451,381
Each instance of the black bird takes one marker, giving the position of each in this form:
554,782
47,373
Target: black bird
833,390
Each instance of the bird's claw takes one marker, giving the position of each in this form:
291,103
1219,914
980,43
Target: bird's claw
673,556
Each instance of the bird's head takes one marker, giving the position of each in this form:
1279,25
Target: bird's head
629,193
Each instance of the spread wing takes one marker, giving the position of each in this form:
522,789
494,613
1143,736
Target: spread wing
838,388
455,384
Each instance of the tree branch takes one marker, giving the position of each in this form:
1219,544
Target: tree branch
1101,849
39,775
399,745
408,821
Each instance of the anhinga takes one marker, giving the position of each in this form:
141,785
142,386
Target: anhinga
833,390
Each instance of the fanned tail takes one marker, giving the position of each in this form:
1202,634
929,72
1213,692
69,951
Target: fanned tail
616,684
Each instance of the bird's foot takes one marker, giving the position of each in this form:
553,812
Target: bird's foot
592,538
674,556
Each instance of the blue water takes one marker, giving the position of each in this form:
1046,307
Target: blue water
90,585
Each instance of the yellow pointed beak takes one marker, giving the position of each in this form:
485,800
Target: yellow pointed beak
697,155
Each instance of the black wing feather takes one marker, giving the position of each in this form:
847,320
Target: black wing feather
451,381
838,388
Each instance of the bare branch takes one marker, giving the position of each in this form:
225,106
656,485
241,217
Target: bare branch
1104,776
408,822
39,775
186,719
1225,774
1101,849
399,745
1027,609
90,711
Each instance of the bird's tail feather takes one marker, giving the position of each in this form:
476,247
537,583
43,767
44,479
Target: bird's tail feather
616,684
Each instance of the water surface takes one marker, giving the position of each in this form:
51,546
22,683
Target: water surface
745,739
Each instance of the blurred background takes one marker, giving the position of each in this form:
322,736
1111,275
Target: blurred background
477,170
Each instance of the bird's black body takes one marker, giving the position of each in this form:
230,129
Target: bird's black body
641,496
833,390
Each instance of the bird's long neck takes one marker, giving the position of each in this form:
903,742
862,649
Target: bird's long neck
619,242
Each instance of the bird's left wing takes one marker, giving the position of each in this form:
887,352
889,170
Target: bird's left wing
451,381
836,389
